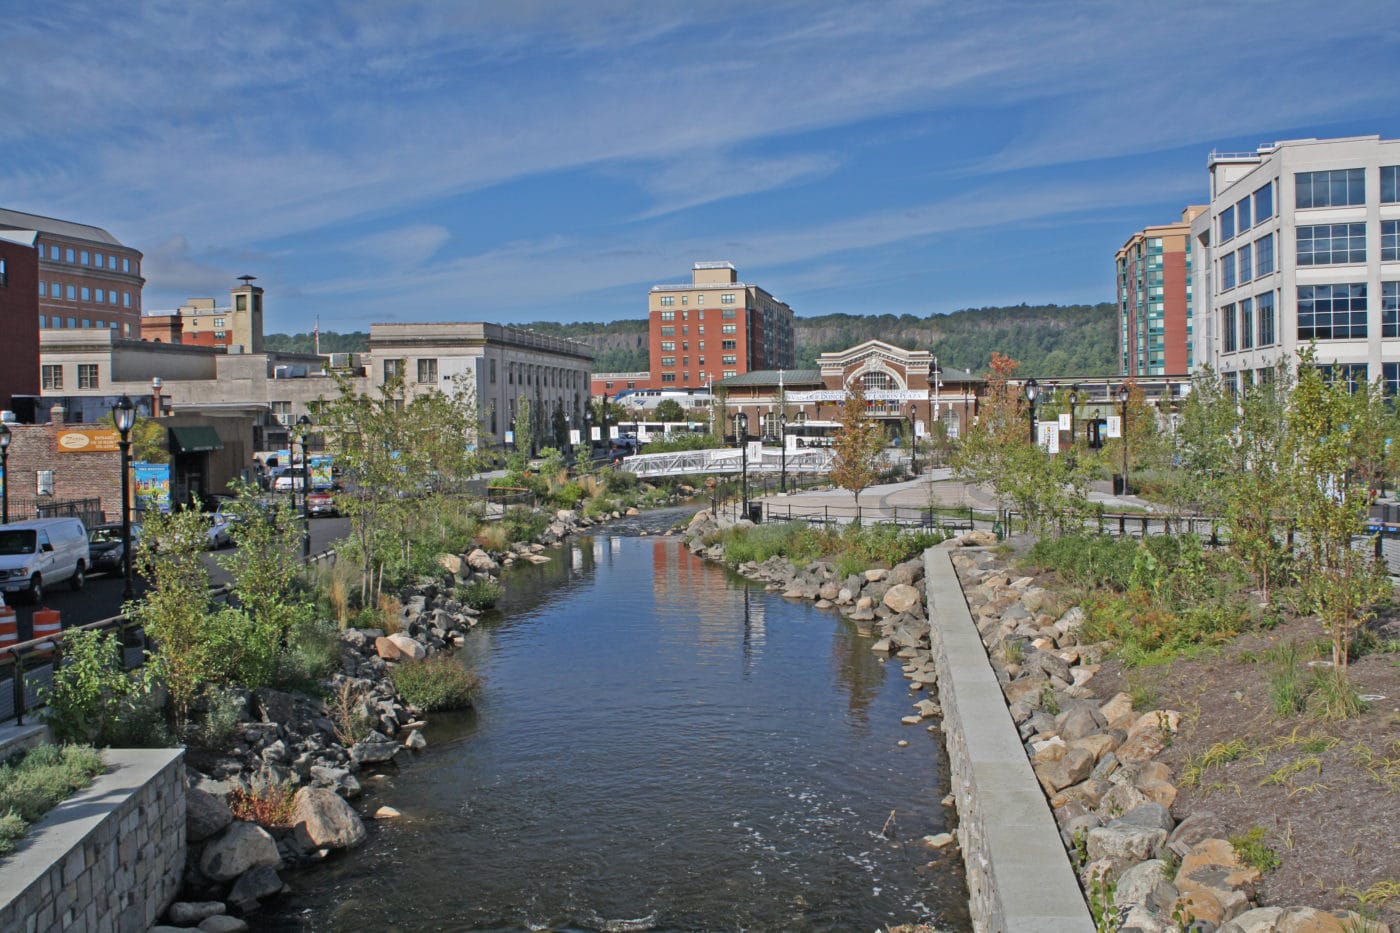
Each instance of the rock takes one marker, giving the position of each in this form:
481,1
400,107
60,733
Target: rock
373,750
1026,690
1144,746
416,740
1161,721
1125,845
876,574
1140,919
1258,920
323,820
1097,745
241,847
1136,884
1192,831
205,815
387,813
481,562
253,886
883,646
977,539
1148,816
1080,721
189,913
1072,767
1214,867
451,563
1116,707
902,597
1200,905
222,923
409,648
938,841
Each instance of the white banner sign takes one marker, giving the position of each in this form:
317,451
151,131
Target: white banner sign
755,450
1065,422
573,437
1114,426
594,433
1049,435
871,395
920,429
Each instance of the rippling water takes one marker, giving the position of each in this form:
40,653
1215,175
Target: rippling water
657,746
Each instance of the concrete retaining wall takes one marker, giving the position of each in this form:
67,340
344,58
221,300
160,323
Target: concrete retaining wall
108,858
1018,873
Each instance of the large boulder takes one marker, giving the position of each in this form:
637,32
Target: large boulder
205,815
902,597
254,885
482,562
399,647
323,820
451,563
242,846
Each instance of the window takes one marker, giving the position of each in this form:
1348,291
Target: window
493,375
1264,255
685,299
97,259
668,345
668,315
729,374
1337,188
728,314
43,322
240,302
72,293
729,344
1246,267
1227,272
1264,203
668,377
282,411
392,369
112,263
43,286
218,334
730,360
1244,218
1246,323
126,265
729,328
51,376
68,254
1390,240
1352,375
72,322
668,361
1390,184
87,293
699,299
53,252
1390,309
1228,328
1227,224
666,302
1331,244
668,331
84,255
126,299
727,298
1332,312
56,289
427,370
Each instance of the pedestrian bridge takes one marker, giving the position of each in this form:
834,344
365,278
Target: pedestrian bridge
728,460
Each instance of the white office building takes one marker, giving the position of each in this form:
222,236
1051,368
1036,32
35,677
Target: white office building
1301,244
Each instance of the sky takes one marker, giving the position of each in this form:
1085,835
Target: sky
549,161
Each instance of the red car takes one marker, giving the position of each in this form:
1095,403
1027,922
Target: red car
321,502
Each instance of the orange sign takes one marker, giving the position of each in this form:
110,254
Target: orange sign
88,441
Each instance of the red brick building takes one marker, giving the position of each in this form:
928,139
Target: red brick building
87,277
41,472
1154,299
19,319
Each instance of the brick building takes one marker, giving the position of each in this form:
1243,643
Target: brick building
1154,299
40,471
19,320
87,277
236,327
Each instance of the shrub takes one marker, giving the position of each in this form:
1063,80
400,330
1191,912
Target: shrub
494,536
1251,850
480,593
568,496
270,807
312,653
1287,694
1332,695
217,721
36,782
92,698
524,524
435,683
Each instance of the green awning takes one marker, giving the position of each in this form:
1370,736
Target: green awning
194,439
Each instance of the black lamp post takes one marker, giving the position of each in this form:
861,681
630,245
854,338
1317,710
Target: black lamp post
304,426
913,440
741,434
1032,390
124,416
1123,401
588,430
782,453
1073,404
5,438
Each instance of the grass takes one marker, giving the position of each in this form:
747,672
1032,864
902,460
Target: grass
34,783
1195,769
435,683
853,549
1251,850
1332,696
481,593
271,807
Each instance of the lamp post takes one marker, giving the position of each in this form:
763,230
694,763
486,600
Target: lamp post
782,454
155,396
124,416
588,430
1073,404
913,440
741,434
304,424
1123,401
935,384
1032,390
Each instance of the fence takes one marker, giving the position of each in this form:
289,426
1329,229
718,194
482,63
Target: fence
23,508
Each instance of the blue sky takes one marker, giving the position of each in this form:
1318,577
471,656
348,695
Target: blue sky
534,160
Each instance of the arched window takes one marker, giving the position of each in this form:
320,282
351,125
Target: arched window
952,423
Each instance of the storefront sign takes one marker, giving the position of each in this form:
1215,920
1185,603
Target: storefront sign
88,441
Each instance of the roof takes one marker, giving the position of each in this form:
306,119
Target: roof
22,237
771,377
18,220
196,438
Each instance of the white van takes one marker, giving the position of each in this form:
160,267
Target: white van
40,553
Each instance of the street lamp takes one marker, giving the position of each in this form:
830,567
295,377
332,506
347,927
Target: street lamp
741,434
304,429
1123,401
1032,390
124,416
1073,404
782,453
155,396
913,440
935,384
5,438
588,430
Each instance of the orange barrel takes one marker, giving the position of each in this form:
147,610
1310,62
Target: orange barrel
9,627
47,624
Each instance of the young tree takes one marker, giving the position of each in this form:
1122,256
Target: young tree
670,410
858,444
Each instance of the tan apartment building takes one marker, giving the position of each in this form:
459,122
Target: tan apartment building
236,327
1154,299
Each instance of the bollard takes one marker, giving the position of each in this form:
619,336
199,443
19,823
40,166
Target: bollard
9,627
47,624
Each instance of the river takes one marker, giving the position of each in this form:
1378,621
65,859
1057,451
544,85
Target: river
658,745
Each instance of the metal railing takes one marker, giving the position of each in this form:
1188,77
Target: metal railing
23,508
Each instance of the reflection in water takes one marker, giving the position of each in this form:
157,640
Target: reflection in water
655,739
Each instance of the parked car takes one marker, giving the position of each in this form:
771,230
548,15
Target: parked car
105,546
321,502
218,532
42,552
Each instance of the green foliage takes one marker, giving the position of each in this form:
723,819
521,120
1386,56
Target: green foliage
92,699
857,446
1287,693
1251,850
683,441
436,683
854,549
356,341
1087,562
218,717
525,524
480,593
1332,696
36,782
669,410
311,655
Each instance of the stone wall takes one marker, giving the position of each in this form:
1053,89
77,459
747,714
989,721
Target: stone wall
1018,874
108,858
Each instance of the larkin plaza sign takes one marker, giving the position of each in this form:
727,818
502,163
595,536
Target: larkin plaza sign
871,395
